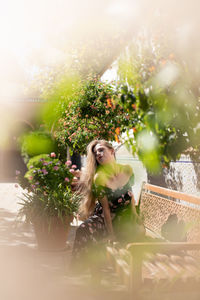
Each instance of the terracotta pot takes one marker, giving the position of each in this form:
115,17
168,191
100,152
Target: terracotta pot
53,237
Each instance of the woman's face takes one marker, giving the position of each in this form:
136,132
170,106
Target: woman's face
103,154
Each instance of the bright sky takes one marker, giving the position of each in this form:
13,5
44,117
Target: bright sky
35,32
30,29
38,32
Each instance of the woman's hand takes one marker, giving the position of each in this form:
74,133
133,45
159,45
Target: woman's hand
76,179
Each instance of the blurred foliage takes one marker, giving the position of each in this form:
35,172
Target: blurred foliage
35,143
161,101
58,95
61,90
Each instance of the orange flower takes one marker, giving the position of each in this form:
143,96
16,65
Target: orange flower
163,62
134,106
152,68
117,130
171,56
164,166
109,102
116,138
134,129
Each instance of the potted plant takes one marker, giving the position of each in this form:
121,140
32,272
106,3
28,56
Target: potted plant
48,201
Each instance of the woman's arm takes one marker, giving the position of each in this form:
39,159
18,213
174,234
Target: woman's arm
107,217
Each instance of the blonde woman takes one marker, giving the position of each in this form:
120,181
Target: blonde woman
108,208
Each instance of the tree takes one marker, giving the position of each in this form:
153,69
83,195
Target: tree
166,111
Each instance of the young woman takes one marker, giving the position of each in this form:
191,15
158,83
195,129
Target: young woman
108,208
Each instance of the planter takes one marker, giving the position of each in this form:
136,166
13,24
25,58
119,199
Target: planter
53,237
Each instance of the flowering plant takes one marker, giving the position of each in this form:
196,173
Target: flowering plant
98,114
59,203
46,172
48,182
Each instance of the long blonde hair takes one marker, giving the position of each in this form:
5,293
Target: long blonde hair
87,178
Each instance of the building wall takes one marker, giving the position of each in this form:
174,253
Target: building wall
183,175
140,174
